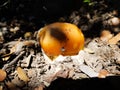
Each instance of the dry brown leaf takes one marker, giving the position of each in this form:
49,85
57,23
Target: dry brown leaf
3,75
22,75
115,39
106,35
103,73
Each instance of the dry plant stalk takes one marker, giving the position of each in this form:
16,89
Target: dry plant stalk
103,73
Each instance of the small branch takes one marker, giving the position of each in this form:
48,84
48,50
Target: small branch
13,61
4,4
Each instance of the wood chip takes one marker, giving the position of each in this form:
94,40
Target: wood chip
89,71
22,75
115,39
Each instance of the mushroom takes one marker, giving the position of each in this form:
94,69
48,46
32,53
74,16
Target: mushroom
60,39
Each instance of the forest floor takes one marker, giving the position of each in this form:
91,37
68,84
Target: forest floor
25,66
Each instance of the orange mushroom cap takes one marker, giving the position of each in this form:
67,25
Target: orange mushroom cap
61,39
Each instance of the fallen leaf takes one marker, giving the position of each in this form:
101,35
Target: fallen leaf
22,75
115,39
103,73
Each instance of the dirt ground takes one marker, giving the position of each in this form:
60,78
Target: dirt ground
23,62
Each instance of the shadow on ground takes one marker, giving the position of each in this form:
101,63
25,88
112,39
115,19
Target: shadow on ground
111,83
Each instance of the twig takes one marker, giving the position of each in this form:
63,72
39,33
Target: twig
4,4
13,61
